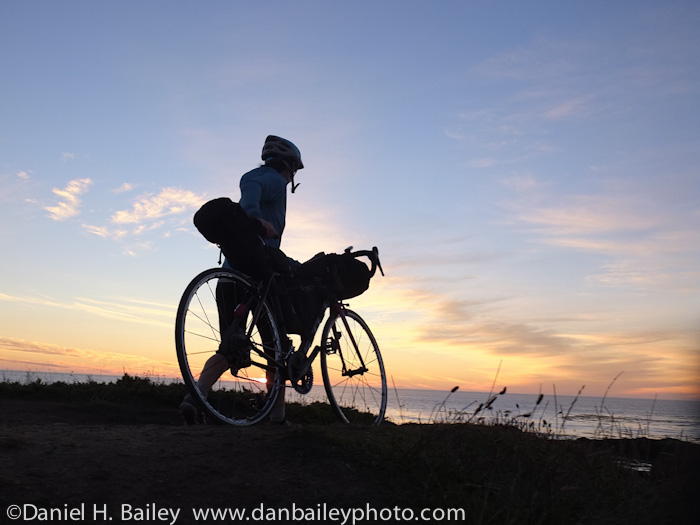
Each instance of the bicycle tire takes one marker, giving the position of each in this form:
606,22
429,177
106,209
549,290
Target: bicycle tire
207,305
353,369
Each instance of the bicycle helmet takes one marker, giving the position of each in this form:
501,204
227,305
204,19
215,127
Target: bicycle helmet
279,148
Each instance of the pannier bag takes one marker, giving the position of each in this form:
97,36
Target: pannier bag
226,224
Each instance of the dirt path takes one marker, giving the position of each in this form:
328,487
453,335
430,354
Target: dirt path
55,455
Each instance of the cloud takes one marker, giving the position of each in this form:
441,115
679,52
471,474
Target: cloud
568,108
613,224
170,201
484,163
69,206
525,182
126,187
644,231
23,175
147,215
74,359
497,337
105,231
536,352
128,310
546,84
13,364
450,325
542,60
587,214
20,345
67,157
412,319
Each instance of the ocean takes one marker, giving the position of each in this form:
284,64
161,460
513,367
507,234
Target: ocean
565,416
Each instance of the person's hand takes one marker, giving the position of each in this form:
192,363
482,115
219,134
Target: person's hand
270,232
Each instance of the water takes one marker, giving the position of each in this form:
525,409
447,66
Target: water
568,416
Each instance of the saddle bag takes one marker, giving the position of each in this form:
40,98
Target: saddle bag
226,224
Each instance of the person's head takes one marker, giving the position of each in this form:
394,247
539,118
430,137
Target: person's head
283,156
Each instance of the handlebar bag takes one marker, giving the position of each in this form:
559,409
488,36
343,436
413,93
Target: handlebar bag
351,276
343,274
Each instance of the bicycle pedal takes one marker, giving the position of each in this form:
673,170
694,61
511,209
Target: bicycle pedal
332,346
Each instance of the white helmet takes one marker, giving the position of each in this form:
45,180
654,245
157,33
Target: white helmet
279,148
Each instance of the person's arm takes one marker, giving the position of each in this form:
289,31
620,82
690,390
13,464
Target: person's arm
251,193
270,232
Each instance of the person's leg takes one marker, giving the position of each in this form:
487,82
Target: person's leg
278,413
213,368
217,364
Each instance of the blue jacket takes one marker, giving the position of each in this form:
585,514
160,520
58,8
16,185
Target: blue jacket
264,196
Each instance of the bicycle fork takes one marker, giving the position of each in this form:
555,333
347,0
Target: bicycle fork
333,346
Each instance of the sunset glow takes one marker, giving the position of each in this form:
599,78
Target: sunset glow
530,175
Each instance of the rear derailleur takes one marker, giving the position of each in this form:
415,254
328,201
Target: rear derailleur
235,347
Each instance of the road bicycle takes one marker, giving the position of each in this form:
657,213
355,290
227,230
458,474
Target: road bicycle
227,320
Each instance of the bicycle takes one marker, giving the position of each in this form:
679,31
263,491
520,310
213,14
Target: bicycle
228,321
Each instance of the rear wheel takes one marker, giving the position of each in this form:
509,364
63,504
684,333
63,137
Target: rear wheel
221,303
353,370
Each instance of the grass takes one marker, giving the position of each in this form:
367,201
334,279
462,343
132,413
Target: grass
499,471
608,426
127,389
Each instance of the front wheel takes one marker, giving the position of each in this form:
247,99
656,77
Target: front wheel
353,370
221,303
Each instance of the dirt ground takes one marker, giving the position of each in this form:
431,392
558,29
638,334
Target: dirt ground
57,455
82,460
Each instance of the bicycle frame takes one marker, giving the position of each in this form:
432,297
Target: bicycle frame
270,293
336,308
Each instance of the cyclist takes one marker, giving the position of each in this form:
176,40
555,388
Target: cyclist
263,197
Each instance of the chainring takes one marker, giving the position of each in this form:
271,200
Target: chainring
294,365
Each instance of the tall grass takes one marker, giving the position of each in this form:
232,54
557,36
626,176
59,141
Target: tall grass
533,419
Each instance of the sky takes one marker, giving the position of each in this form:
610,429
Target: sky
530,172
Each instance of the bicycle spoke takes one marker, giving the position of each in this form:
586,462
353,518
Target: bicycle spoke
353,371
208,307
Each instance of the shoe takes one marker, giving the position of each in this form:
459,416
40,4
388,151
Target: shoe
284,423
189,411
